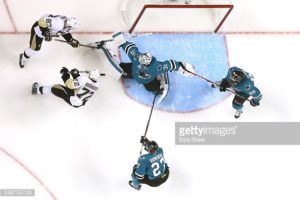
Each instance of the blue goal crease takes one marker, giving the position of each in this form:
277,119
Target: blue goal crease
207,52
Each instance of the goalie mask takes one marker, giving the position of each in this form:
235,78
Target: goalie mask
72,23
94,74
145,58
151,147
237,75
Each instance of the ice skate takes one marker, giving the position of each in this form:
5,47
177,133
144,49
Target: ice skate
34,89
238,113
138,188
21,61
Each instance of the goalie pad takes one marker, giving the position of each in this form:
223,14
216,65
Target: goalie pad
185,69
119,38
113,69
164,84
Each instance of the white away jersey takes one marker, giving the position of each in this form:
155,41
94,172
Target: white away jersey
55,24
84,90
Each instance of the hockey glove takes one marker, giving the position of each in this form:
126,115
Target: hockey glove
254,102
64,70
144,140
100,44
48,36
223,85
75,73
73,42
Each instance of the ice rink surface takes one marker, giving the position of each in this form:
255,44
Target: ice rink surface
88,153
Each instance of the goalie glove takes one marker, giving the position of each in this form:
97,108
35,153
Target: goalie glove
73,42
186,69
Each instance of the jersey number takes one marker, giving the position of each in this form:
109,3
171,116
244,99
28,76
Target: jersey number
49,22
155,167
86,94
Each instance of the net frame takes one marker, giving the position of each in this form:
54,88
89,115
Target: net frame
150,5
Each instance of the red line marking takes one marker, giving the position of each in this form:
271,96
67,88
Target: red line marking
227,50
262,33
10,16
166,32
29,171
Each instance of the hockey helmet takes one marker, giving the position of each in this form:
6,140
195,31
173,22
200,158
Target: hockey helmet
72,23
145,58
236,74
151,147
94,74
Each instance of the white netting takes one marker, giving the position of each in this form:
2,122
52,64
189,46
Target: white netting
174,15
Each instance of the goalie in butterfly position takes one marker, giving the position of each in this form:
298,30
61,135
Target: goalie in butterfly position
45,28
152,168
242,84
144,68
78,88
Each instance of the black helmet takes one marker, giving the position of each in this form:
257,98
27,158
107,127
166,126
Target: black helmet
151,146
237,75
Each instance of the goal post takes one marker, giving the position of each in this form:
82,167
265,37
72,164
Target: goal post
205,15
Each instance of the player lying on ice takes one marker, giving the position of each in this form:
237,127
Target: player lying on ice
144,68
78,89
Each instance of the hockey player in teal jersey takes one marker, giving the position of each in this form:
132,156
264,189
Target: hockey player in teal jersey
242,84
144,68
151,168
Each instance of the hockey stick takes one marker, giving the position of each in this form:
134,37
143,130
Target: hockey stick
127,35
153,103
214,83
82,45
86,71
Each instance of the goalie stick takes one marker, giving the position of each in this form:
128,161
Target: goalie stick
109,40
82,45
127,36
86,71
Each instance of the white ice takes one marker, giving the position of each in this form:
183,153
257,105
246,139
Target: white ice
88,153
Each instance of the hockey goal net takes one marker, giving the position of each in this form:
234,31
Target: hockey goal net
175,15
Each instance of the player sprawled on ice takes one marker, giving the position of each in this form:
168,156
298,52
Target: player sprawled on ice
151,168
144,68
78,89
242,84
45,28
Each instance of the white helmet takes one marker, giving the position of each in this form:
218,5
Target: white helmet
72,23
94,74
145,58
